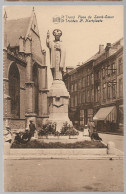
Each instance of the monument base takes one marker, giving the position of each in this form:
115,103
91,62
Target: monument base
58,99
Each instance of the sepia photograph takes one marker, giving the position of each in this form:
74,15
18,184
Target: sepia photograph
63,111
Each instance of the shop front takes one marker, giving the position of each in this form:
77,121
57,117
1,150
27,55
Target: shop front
106,119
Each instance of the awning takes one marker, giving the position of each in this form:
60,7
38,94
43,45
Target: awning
121,108
107,113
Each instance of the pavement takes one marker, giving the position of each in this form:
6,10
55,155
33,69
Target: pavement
63,175
117,139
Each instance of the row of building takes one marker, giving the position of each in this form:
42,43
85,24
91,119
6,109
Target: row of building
96,89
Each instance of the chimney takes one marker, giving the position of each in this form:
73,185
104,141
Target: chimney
101,48
108,46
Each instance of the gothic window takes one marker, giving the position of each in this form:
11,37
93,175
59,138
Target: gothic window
14,90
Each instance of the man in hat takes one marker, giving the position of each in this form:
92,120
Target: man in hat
32,128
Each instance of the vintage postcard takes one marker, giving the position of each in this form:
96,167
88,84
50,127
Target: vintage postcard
63,126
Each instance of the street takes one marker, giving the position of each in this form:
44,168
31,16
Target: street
63,175
56,175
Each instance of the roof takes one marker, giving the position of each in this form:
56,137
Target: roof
115,47
16,28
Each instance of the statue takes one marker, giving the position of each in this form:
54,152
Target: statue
57,54
58,96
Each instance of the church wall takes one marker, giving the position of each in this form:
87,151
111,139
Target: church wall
36,47
22,71
44,104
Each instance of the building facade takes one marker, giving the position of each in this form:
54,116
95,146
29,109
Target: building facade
24,73
96,89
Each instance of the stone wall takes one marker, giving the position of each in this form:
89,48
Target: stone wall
17,124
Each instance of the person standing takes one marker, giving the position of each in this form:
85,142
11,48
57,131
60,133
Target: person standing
91,126
32,128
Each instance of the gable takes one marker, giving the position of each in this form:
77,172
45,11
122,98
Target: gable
33,32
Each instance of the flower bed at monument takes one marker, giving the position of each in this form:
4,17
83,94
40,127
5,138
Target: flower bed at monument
40,144
50,129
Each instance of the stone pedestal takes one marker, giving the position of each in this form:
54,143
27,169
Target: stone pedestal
58,100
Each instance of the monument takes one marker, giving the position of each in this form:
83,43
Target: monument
58,96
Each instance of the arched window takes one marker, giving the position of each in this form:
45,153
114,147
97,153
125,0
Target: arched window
14,90
36,88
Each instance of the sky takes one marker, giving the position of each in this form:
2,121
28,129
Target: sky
81,39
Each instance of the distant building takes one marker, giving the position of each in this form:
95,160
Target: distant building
96,89
24,73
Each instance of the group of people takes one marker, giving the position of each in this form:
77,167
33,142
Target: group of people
20,137
93,130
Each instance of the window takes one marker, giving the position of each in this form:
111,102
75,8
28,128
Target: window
113,68
97,93
72,101
83,97
88,96
104,91
98,74
79,98
120,65
109,90
114,88
121,87
108,70
72,88
103,72
83,82
14,90
75,87
79,84
92,78
75,100
88,80
92,95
